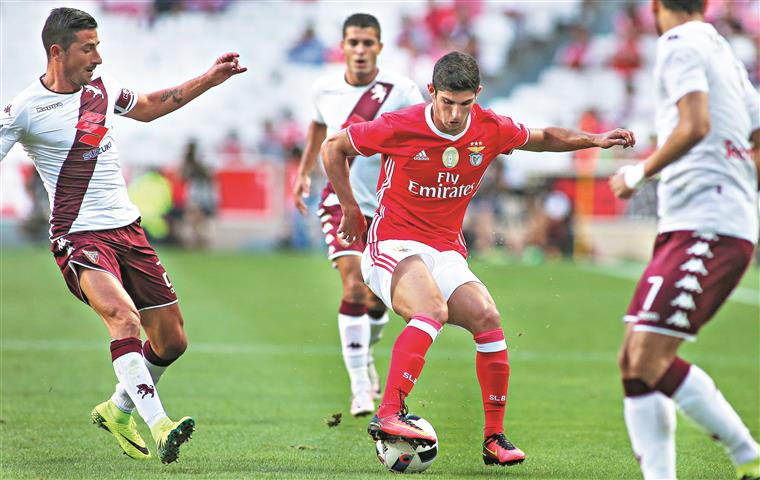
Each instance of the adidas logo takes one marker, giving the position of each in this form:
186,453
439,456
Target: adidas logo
421,156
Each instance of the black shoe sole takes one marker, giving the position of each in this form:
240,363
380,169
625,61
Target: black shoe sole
491,461
181,434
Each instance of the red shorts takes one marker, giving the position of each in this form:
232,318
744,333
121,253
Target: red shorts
689,277
124,253
330,215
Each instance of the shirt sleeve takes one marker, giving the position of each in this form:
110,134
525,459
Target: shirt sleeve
14,122
126,98
751,98
413,95
683,72
369,138
511,134
316,115
125,102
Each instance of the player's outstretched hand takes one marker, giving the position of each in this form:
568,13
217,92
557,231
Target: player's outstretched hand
618,186
301,190
619,136
352,225
224,67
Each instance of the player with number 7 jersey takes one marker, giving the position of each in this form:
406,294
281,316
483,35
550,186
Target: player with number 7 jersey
65,122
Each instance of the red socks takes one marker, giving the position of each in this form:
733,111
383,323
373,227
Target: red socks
407,361
492,365
408,358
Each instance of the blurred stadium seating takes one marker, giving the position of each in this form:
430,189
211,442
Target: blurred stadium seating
149,48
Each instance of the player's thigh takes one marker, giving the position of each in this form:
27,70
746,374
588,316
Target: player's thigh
414,291
349,267
472,308
111,301
143,275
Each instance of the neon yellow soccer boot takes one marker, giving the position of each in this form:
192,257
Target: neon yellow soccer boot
169,436
749,470
123,427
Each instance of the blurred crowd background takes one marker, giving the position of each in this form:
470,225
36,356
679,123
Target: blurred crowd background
218,173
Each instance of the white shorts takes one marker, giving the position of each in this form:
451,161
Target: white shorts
449,269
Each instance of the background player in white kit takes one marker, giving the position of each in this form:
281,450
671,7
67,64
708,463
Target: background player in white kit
359,94
64,120
708,123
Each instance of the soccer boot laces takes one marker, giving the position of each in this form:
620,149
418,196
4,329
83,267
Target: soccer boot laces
497,450
397,426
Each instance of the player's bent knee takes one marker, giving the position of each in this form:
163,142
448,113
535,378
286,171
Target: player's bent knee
489,318
439,312
174,348
354,292
642,364
622,361
122,320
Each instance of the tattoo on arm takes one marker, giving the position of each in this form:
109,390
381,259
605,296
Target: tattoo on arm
175,94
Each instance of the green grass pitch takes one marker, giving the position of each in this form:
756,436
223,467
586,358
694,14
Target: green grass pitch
263,374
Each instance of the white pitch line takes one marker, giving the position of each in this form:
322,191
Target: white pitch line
743,295
576,357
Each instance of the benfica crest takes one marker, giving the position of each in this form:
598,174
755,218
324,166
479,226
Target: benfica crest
476,157
92,256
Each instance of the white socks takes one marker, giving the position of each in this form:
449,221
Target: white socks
377,326
700,400
135,378
354,339
121,398
650,418
651,422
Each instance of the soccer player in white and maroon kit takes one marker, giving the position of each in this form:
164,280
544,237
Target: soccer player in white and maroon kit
65,122
708,123
434,158
359,94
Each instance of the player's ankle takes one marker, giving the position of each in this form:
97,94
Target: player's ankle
387,409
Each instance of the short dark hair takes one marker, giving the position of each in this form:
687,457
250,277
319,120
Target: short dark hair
456,72
362,20
688,6
62,26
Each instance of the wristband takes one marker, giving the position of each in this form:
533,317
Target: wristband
633,175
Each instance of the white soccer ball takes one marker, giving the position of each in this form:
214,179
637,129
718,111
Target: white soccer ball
399,456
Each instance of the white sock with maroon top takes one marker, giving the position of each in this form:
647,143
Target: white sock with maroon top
156,366
697,396
133,375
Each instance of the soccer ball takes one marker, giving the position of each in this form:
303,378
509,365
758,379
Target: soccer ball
399,456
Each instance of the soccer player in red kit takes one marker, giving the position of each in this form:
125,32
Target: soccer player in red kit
434,157
65,121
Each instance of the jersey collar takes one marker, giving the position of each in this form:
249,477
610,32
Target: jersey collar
429,120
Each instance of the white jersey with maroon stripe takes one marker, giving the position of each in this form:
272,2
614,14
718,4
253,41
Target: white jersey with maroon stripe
335,99
713,187
69,136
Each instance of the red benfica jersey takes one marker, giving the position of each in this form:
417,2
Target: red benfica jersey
428,177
